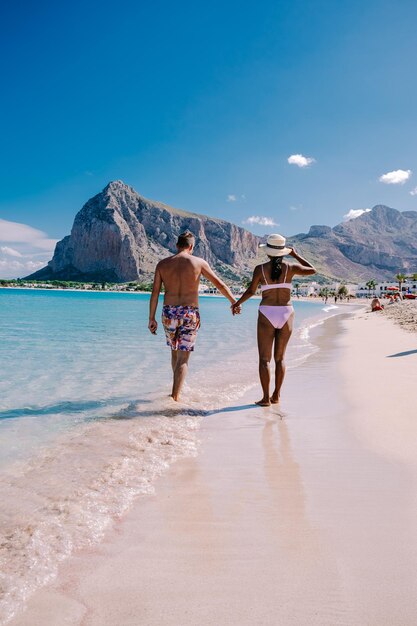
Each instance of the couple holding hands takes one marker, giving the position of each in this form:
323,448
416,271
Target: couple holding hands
179,275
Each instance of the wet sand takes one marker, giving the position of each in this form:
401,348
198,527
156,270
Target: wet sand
299,515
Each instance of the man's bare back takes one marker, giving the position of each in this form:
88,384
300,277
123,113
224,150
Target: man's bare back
180,275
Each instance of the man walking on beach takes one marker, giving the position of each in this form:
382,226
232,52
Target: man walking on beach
180,276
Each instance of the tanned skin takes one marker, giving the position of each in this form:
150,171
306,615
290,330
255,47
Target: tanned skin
180,276
268,336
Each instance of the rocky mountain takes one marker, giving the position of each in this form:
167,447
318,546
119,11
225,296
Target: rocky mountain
119,236
377,244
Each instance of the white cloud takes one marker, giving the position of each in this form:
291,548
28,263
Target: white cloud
27,265
232,197
260,220
10,251
15,269
396,177
293,208
300,160
32,249
45,244
34,265
354,213
413,192
14,232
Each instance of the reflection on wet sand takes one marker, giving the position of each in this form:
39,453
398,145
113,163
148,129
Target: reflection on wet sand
282,474
295,541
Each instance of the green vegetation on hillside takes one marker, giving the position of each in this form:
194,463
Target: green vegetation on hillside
69,284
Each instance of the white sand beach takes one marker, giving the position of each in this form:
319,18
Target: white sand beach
299,515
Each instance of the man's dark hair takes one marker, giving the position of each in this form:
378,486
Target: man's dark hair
185,240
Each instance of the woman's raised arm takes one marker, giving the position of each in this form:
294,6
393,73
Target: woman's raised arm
303,267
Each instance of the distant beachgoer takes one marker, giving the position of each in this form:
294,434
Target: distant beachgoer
180,276
335,299
376,305
276,314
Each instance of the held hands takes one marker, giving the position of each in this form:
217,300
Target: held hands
153,325
236,308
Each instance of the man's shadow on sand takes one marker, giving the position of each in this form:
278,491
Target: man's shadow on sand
130,412
406,353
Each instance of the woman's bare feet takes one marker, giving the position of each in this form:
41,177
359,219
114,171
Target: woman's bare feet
263,402
275,398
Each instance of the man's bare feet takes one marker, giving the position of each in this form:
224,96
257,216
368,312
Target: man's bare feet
263,402
275,398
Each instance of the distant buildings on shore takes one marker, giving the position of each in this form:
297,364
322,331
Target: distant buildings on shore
383,288
358,290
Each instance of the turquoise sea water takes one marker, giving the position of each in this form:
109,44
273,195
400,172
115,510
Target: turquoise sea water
67,357
85,419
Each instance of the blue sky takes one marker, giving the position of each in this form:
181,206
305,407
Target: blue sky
200,106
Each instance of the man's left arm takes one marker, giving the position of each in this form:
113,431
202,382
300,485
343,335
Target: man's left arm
153,303
217,282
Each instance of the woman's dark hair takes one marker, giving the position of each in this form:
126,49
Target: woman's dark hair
276,267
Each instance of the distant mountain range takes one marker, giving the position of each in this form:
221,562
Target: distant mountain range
119,236
377,244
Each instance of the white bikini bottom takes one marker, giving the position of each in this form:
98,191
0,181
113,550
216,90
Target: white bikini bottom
278,316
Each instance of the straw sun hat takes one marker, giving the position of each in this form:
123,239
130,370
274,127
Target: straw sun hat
275,246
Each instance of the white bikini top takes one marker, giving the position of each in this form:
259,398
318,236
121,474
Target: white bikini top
283,285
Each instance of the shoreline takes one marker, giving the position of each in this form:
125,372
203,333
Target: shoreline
271,522
354,302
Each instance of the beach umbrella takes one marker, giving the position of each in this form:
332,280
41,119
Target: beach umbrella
392,288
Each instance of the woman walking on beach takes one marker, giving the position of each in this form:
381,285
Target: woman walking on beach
276,313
